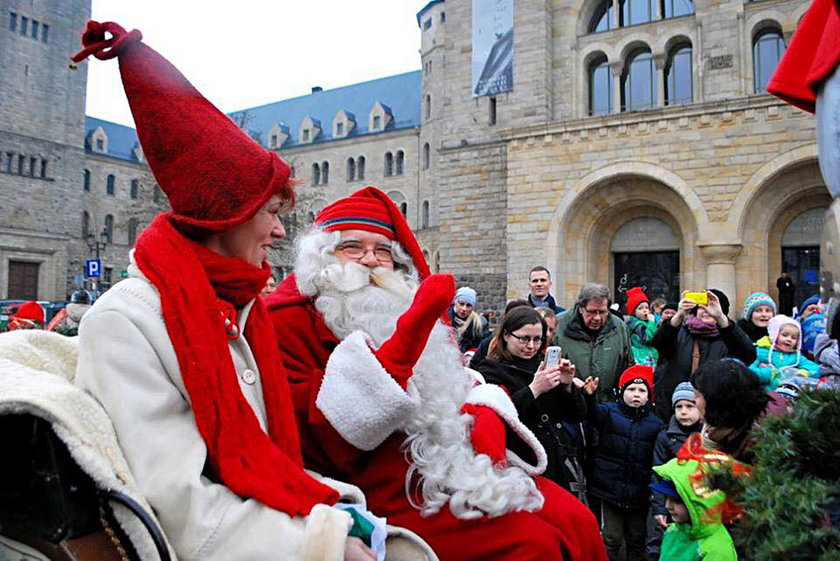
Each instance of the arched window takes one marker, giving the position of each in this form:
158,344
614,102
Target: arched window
428,107
768,48
109,227
132,231
135,188
389,164
638,82
400,163
677,8
404,208
85,223
600,87
109,185
634,12
316,174
351,169
602,19
426,156
678,79
425,217
86,180
360,167
157,194
325,173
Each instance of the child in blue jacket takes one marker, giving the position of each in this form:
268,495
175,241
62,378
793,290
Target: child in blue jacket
779,355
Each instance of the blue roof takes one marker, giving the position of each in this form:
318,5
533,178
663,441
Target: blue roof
400,94
121,139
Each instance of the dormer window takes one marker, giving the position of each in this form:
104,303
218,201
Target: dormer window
277,136
310,129
273,141
377,122
339,129
98,141
343,124
380,117
305,136
100,145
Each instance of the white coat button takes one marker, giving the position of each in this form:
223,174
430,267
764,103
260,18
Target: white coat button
249,376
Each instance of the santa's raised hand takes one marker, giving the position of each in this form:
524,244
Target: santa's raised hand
399,354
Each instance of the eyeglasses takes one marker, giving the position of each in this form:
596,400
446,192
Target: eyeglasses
595,312
525,339
355,250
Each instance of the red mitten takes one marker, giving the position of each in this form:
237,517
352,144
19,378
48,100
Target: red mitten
399,354
488,433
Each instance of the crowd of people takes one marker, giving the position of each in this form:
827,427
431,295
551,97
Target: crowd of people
364,400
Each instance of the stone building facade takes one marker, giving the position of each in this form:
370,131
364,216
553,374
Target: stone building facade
636,147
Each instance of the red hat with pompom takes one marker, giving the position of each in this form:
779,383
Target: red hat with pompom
372,210
29,314
637,374
215,175
635,296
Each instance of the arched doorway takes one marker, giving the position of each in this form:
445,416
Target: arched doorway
646,253
801,252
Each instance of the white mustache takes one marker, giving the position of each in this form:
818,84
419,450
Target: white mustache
352,276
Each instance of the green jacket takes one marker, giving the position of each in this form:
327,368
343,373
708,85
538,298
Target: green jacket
641,336
705,537
604,356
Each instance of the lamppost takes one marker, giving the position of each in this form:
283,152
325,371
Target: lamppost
97,245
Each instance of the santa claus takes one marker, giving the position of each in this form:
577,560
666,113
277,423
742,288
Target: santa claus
384,402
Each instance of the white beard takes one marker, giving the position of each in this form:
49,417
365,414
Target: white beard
437,440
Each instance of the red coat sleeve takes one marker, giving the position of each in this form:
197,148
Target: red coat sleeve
305,344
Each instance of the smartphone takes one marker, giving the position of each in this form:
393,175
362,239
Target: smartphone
552,357
699,298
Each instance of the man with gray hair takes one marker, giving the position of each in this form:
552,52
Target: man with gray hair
595,340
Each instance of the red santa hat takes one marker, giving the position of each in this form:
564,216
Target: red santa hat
28,314
637,374
372,210
635,296
215,176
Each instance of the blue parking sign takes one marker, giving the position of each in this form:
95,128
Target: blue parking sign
93,268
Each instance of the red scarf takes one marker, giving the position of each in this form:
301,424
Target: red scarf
199,290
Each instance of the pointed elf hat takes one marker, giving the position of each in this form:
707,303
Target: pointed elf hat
372,210
215,176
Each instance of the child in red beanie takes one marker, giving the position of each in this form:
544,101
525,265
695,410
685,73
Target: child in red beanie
619,483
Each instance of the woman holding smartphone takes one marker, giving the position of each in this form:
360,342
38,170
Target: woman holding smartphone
544,395
699,332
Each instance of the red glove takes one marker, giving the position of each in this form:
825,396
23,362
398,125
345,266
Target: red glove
399,354
488,433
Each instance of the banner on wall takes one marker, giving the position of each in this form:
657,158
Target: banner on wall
492,47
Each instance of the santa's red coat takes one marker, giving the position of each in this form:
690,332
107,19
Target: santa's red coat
563,529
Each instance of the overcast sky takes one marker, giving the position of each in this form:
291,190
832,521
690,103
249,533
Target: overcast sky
245,53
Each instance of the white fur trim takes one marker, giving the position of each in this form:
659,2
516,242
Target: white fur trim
494,397
359,397
326,534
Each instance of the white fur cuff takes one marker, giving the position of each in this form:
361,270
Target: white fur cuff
359,398
495,398
326,534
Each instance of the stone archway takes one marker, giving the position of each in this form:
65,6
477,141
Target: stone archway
788,193
587,227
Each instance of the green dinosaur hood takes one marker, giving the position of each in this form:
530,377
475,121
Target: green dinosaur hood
699,499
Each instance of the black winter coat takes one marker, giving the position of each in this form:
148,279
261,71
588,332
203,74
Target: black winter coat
676,345
542,413
752,331
625,453
668,442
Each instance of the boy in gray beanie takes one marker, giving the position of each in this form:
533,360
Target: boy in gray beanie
685,420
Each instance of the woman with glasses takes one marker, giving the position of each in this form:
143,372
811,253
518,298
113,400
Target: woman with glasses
544,397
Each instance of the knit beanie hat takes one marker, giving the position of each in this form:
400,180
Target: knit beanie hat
215,176
637,374
29,311
372,210
465,295
776,324
683,392
635,296
811,300
755,300
671,306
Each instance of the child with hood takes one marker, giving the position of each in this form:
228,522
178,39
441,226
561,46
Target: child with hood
779,355
698,531
813,323
641,327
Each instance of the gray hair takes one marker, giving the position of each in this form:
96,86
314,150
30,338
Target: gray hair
592,291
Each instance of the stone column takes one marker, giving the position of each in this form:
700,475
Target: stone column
659,61
614,8
720,267
615,70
